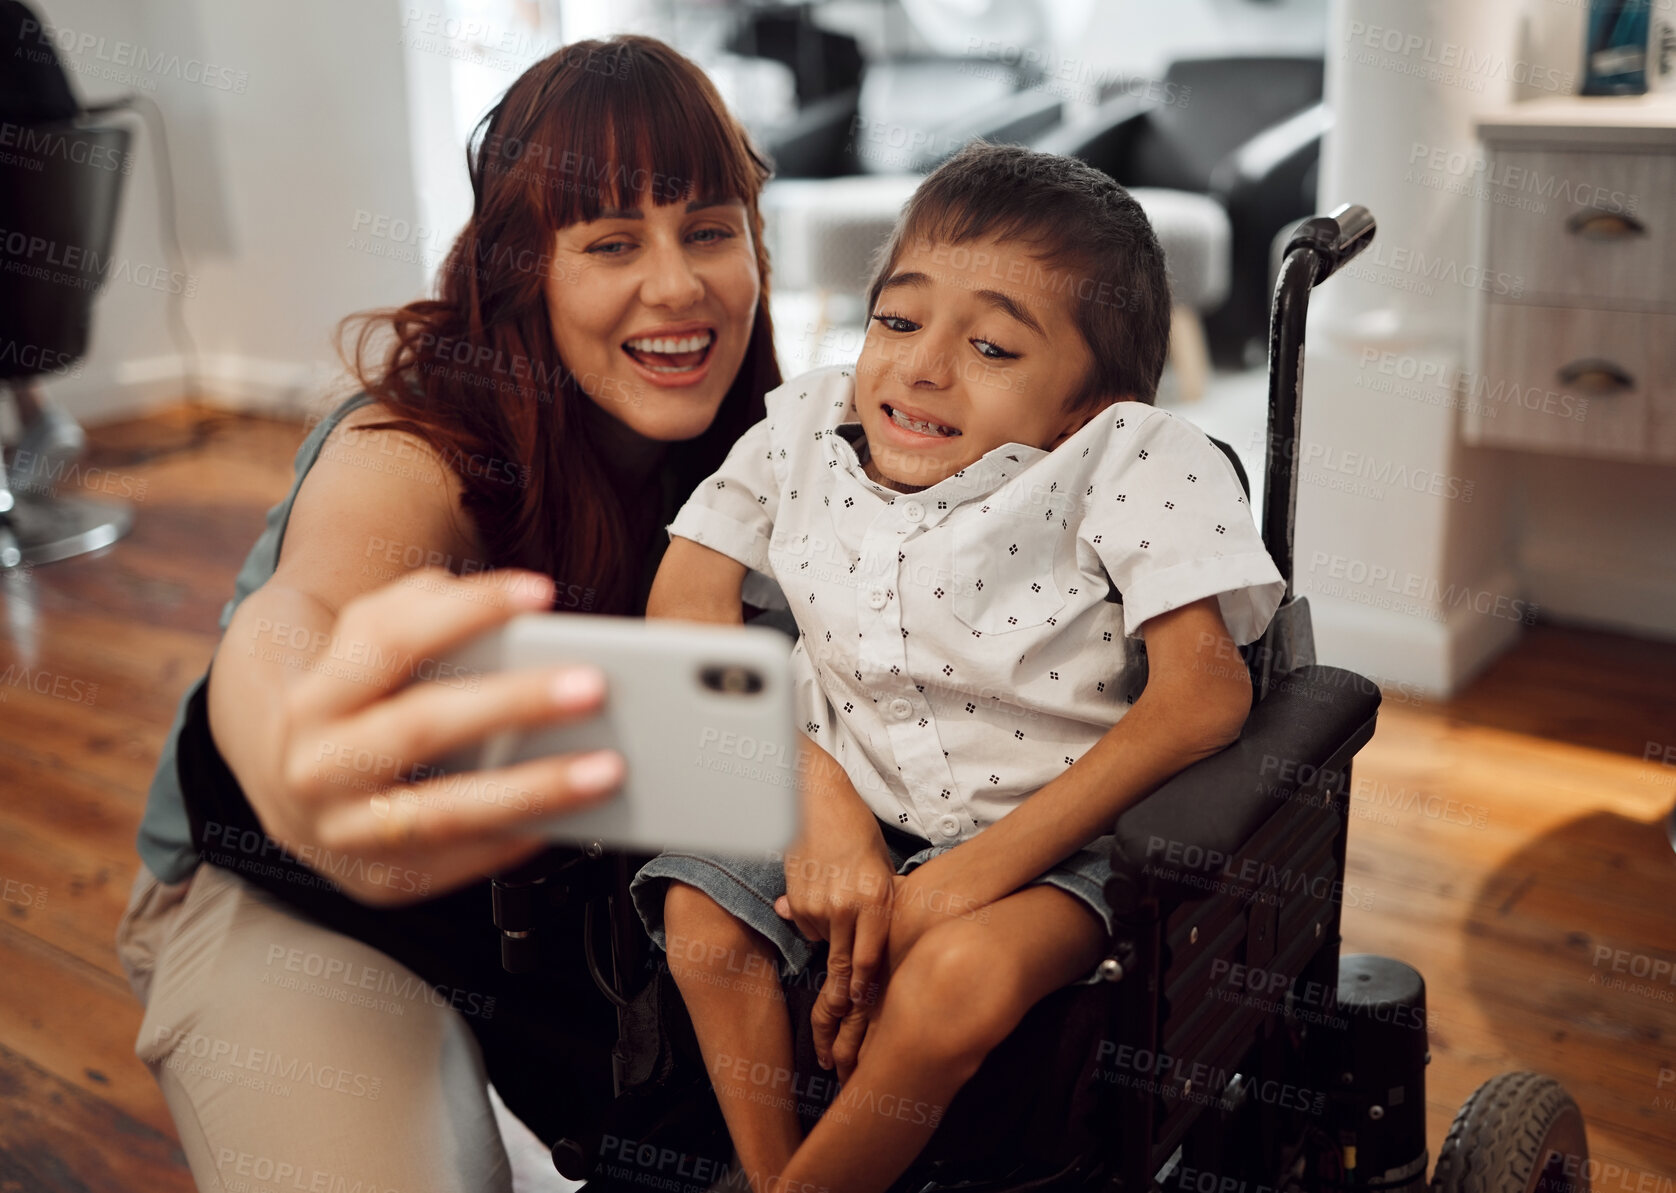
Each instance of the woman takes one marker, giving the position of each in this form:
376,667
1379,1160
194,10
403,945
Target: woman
310,931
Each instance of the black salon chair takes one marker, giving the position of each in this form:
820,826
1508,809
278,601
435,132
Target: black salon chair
1245,131
61,183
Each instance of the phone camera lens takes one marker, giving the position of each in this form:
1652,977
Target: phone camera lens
732,680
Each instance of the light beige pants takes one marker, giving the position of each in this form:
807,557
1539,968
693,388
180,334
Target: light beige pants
292,1057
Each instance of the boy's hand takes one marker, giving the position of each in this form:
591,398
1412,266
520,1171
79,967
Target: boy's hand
844,897
838,1041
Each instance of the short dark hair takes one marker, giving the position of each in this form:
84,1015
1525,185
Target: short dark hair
1091,233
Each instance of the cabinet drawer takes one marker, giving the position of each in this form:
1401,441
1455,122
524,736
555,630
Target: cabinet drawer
1581,226
1572,380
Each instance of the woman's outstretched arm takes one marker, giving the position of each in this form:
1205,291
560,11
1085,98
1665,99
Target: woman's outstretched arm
311,699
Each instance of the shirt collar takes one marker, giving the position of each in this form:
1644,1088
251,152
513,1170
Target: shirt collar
978,479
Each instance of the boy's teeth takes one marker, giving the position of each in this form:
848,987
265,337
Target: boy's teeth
924,428
668,344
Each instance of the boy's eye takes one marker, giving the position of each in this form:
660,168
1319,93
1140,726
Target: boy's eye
896,323
995,351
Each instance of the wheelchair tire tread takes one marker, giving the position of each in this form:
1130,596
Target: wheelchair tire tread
1498,1138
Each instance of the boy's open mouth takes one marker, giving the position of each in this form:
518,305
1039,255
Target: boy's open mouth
920,425
672,354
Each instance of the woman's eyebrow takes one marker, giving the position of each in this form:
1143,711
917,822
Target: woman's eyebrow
634,213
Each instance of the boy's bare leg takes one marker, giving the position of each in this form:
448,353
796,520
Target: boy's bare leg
731,985
959,992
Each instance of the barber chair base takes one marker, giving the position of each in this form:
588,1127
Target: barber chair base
42,528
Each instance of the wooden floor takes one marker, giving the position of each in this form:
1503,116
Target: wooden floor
1501,840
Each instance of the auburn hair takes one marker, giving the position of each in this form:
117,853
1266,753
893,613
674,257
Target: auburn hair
474,372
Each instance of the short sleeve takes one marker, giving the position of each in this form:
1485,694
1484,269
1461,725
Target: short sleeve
1169,520
733,509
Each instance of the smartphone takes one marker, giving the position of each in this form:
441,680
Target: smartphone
701,714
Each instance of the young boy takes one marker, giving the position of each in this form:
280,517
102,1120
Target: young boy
966,532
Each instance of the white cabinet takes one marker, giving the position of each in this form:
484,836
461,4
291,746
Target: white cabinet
1576,352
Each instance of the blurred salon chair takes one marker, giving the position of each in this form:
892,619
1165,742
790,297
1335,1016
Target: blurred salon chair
1242,133
61,185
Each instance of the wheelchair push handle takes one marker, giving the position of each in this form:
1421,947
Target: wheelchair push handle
1336,238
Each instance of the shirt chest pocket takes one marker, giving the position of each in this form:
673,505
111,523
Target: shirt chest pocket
1002,570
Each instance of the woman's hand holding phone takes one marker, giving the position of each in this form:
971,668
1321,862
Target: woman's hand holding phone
344,769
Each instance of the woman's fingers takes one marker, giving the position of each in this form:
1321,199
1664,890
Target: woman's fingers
393,740
466,807
386,638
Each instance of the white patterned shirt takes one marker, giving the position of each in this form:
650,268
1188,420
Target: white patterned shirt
962,645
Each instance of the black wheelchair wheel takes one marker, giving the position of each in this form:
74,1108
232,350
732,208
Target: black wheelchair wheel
1518,1133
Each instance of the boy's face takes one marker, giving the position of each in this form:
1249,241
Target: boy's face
973,339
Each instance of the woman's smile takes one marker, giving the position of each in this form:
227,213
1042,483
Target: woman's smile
672,355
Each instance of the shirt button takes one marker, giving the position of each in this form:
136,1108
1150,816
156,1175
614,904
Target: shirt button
876,598
949,826
913,511
901,709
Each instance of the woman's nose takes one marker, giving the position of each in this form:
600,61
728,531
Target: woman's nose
671,280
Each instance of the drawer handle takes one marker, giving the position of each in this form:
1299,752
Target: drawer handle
1595,376
1600,225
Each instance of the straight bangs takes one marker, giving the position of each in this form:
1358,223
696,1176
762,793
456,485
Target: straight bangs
633,136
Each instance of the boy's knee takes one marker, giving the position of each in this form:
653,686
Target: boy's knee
953,993
698,931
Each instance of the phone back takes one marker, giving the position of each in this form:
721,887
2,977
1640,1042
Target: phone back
702,714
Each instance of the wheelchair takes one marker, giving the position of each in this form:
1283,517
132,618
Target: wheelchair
1225,1045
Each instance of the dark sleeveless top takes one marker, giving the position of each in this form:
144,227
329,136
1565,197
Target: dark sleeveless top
546,1037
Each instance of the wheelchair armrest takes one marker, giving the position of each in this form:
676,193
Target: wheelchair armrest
1301,737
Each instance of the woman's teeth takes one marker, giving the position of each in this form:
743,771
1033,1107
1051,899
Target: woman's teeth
924,428
671,354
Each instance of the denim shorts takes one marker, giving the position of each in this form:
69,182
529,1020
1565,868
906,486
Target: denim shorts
746,887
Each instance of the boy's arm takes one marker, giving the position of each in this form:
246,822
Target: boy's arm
696,583
1195,702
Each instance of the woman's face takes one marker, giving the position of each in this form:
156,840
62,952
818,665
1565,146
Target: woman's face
652,308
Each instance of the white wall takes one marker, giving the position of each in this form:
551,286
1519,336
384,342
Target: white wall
270,180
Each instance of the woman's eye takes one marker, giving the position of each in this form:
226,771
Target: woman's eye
608,248
713,235
994,350
896,323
